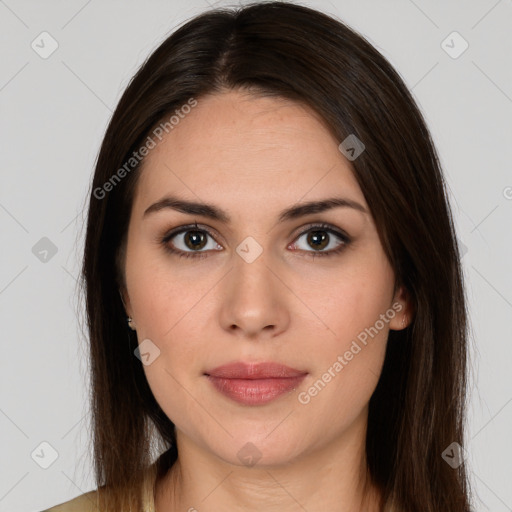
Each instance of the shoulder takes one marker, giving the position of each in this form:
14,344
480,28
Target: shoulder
83,503
89,501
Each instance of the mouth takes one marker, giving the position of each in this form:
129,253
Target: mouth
254,383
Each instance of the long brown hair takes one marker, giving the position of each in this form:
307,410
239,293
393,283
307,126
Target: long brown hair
291,51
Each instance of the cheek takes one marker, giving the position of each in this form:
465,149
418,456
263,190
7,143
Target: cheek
170,319
357,314
347,370
351,300
164,314
172,393
167,305
161,294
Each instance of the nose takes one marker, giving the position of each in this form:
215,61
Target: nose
253,300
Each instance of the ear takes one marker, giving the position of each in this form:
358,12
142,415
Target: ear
125,299
403,307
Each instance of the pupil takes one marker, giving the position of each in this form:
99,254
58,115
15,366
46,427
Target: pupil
318,238
195,239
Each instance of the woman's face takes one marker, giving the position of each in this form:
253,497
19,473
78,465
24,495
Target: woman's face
258,286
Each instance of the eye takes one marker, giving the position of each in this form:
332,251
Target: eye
189,241
320,237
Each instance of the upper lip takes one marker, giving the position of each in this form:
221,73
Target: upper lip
265,370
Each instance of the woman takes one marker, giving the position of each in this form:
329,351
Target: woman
272,279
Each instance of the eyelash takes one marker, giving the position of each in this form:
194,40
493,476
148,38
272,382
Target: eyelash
202,254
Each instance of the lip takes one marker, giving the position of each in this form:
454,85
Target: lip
254,383
265,370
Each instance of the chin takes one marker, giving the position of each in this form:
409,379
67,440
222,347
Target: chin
254,451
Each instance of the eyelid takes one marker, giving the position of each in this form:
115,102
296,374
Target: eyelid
323,225
189,227
338,232
213,233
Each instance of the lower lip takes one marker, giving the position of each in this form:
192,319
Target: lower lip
255,391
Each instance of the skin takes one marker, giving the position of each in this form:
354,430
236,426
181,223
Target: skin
254,157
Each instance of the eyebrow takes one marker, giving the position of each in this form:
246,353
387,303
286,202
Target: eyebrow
215,213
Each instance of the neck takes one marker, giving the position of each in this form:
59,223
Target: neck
331,477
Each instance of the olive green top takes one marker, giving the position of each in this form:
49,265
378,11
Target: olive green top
87,502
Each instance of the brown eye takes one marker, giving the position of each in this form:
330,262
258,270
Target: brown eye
318,239
189,241
321,237
195,239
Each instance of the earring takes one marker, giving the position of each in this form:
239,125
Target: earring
131,323
404,322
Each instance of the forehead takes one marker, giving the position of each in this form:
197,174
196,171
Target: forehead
246,149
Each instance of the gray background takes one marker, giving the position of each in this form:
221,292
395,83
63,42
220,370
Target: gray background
53,115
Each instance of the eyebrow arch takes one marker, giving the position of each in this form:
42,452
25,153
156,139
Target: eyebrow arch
215,213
